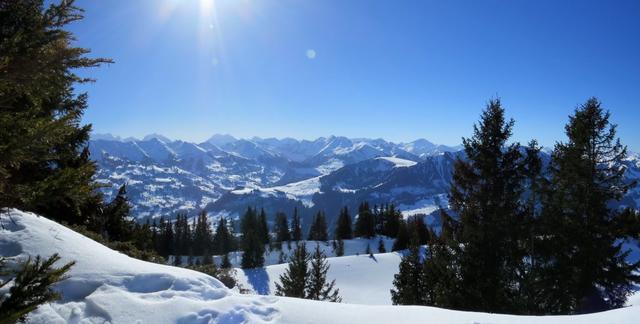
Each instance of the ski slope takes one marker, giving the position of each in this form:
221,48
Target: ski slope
108,287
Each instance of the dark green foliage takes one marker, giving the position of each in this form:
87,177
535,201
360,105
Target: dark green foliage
293,282
32,286
318,229
282,228
223,241
583,235
44,160
252,240
485,194
296,226
317,287
202,236
365,223
409,284
402,238
116,225
390,221
263,228
343,227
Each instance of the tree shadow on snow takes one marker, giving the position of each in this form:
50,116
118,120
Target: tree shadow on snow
259,280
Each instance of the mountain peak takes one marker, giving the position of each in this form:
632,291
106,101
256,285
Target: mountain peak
159,137
221,139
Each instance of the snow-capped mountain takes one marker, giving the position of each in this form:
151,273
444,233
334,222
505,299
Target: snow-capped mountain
224,175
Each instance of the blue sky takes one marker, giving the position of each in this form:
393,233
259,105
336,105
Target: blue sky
398,70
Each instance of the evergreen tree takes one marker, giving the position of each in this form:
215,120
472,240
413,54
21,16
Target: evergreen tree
222,240
485,194
263,228
296,226
392,219
365,223
402,238
293,281
252,240
282,228
343,226
318,229
408,284
317,287
202,235
44,156
117,225
32,287
584,263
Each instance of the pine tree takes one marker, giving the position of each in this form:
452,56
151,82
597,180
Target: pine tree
222,240
263,228
293,281
296,226
282,228
32,287
318,229
485,194
117,225
343,227
317,287
202,235
582,250
365,223
402,238
252,241
409,282
392,219
44,156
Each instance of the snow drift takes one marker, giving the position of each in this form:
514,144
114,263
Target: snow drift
107,286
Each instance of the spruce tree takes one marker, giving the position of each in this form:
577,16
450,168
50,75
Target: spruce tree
296,226
318,229
263,227
117,226
408,283
282,228
485,194
317,286
585,263
365,223
222,239
32,286
343,227
252,241
402,238
294,280
44,159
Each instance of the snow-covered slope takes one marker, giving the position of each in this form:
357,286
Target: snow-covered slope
109,287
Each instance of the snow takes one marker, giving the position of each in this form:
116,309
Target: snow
398,162
301,190
108,287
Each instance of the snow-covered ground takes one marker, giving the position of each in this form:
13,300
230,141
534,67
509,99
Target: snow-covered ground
109,287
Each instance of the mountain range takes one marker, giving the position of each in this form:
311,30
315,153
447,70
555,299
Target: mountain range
224,174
